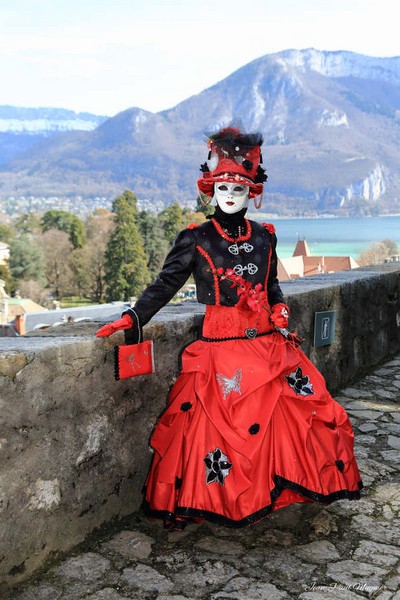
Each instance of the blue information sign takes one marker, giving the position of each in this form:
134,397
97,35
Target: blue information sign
324,328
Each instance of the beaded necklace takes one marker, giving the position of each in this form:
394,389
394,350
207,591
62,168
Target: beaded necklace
242,237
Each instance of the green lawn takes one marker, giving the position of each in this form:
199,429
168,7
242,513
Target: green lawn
75,302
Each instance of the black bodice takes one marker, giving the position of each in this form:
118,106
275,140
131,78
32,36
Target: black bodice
203,249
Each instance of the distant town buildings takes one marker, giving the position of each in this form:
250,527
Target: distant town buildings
393,258
78,205
13,312
303,264
21,315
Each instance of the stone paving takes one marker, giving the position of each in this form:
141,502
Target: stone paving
345,551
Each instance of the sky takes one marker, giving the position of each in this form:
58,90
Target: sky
104,56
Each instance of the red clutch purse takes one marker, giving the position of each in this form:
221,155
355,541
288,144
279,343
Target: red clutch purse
134,357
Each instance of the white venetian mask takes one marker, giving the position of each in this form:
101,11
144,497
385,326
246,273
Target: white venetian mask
231,197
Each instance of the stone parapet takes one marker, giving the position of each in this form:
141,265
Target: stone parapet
367,305
74,442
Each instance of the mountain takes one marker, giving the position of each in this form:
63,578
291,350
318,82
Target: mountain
22,127
331,126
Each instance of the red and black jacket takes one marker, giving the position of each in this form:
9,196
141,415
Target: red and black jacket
200,250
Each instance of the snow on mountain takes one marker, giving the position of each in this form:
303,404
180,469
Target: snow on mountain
21,127
45,121
343,64
40,126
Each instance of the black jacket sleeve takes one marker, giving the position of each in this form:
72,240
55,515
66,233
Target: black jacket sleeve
275,294
177,268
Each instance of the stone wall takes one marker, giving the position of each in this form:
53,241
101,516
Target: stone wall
367,305
74,442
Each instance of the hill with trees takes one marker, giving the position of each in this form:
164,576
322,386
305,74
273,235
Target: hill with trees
110,256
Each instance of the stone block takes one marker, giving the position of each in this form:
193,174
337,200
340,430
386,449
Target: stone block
74,443
132,544
146,579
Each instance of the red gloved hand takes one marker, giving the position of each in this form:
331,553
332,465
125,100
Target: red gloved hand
280,315
124,323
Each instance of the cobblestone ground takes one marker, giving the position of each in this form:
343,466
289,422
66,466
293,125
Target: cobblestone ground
345,551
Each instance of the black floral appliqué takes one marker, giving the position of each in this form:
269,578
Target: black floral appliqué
217,466
340,465
255,428
186,406
300,383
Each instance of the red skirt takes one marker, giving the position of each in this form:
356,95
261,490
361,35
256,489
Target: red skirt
249,428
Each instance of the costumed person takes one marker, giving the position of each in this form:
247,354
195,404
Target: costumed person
250,426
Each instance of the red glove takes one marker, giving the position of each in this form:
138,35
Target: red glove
124,323
280,315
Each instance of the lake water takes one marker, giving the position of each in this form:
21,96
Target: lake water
335,237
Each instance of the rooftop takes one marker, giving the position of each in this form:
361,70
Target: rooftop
303,264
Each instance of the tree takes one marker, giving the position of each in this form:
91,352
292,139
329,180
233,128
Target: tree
27,259
391,246
155,243
96,262
126,260
79,265
377,252
33,290
206,209
172,221
5,275
27,223
6,234
58,248
99,226
193,217
65,221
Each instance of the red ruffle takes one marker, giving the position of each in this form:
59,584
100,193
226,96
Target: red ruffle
269,227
